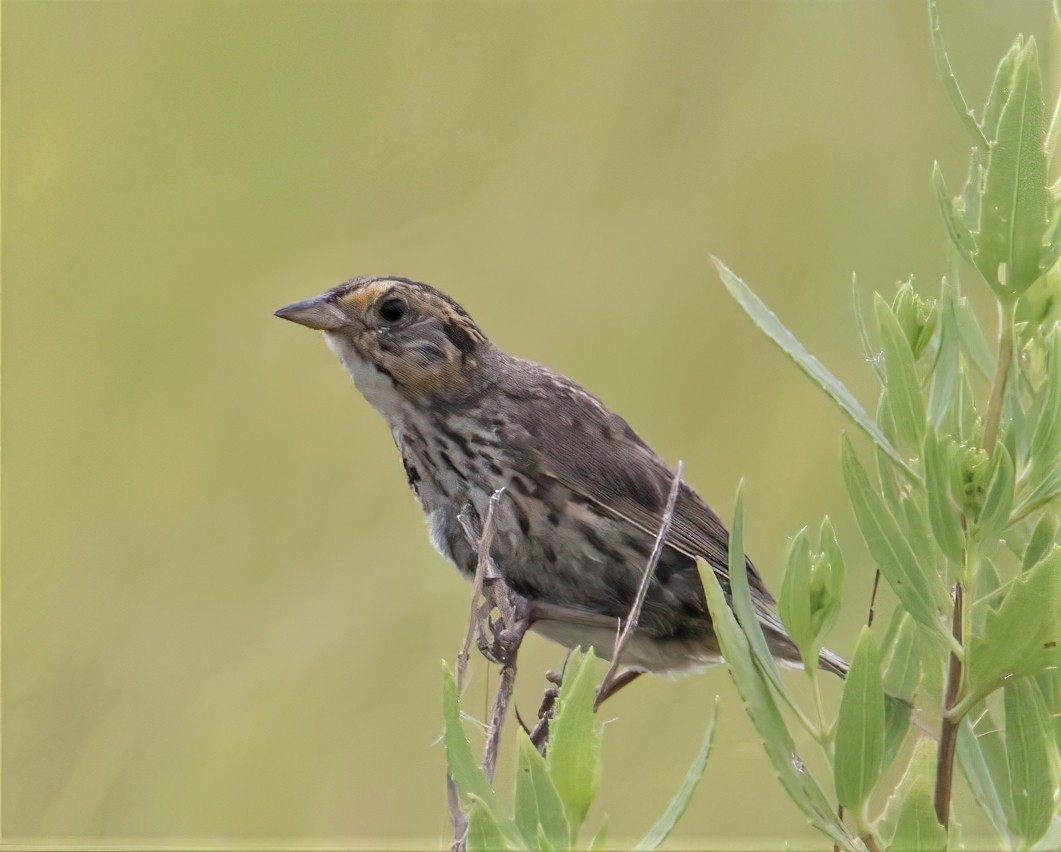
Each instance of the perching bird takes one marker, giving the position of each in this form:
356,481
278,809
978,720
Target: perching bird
584,494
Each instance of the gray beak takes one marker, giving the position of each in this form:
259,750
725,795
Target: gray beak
318,313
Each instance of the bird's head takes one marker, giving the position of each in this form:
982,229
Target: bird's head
400,340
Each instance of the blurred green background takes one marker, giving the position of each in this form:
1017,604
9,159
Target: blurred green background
222,620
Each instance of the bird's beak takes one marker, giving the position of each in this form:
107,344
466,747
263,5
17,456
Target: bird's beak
318,313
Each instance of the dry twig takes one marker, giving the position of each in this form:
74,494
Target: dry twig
508,631
611,682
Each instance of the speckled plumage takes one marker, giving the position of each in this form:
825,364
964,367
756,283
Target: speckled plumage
584,494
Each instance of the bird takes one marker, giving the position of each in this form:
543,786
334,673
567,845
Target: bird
583,494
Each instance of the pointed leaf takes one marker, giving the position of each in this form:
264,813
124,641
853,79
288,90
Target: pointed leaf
465,770
741,599
1042,541
1001,88
917,829
902,674
574,740
680,803
537,804
484,834
768,322
1022,637
889,548
600,839
954,218
1050,684
904,389
1044,457
998,501
1013,215
971,337
987,778
1033,759
944,377
873,355
766,716
943,513
860,726
794,599
826,582
950,81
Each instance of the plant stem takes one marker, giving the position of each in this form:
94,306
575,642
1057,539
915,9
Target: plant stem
825,732
993,418
948,736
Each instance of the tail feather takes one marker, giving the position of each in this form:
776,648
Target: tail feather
785,650
834,663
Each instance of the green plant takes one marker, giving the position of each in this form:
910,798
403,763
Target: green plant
959,512
959,515
552,794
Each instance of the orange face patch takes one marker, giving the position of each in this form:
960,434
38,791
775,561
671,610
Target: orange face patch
358,301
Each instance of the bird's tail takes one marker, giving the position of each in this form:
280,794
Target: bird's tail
785,650
834,663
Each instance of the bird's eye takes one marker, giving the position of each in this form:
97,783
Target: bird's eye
392,310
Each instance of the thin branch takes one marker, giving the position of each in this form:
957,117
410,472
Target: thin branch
627,632
948,736
512,624
457,816
482,542
873,600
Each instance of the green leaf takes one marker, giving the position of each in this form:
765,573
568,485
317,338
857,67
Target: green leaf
921,594
768,322
906,308
912,520
1051,841
988,778
1053,134
950,81
467,775
986,583
740,594
904,390
944,376
1001,89
998,501
829,565
1042,540
680,803
1050,684
943,514
1022,636
574,740
902,674
484,834
860,726
954,218
537,804
794,600
754,689
971,337
917,829
1033,758
1014,207
872,354
600,838
1044,458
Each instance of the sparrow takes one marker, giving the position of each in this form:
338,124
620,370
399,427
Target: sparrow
584,494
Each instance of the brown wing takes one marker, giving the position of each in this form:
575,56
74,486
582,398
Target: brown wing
577,440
